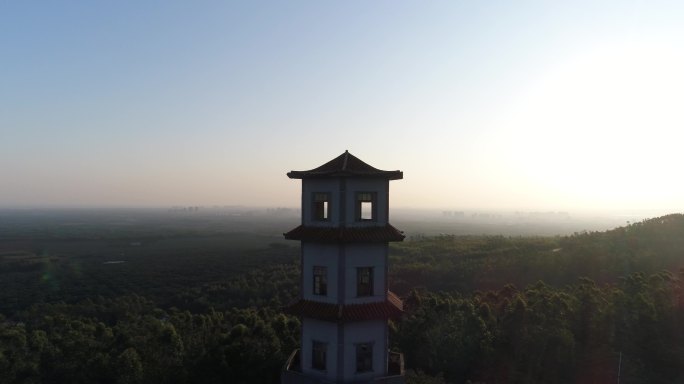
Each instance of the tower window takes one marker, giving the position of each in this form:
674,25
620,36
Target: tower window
365,206
321,206
320,281
364,281
364,357
318,355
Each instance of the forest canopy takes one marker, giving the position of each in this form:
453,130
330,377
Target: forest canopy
176,306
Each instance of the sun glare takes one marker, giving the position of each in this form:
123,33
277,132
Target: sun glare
604,126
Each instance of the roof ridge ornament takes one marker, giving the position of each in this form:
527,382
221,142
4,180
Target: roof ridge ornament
346,157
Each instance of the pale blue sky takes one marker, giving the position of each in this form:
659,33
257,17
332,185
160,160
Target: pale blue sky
482,104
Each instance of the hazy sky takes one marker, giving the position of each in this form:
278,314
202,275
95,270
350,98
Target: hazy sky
483,104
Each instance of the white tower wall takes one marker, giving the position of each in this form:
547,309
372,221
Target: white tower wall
365,255
309,187
324,255
380,188
374,332
321,331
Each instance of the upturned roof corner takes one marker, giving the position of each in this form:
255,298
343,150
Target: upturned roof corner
346,165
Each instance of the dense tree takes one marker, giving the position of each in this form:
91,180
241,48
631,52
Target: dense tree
588,305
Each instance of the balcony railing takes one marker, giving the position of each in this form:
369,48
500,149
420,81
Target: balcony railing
292,372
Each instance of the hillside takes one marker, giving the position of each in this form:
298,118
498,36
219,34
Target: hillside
590,305
469,263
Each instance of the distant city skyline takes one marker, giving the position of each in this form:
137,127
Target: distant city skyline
483,105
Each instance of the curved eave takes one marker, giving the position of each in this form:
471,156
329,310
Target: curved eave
382,234
346,165
392,308
389,175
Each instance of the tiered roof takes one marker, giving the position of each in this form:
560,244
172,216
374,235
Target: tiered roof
382,234
345,165
391,308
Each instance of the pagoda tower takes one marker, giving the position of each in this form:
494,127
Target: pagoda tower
345,302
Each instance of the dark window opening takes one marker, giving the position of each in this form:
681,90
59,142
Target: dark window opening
364,357
321,206
320,281
365,206
364,281
318,355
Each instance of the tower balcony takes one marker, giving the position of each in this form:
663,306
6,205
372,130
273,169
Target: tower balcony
292,372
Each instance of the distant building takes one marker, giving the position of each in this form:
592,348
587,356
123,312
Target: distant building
345,302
